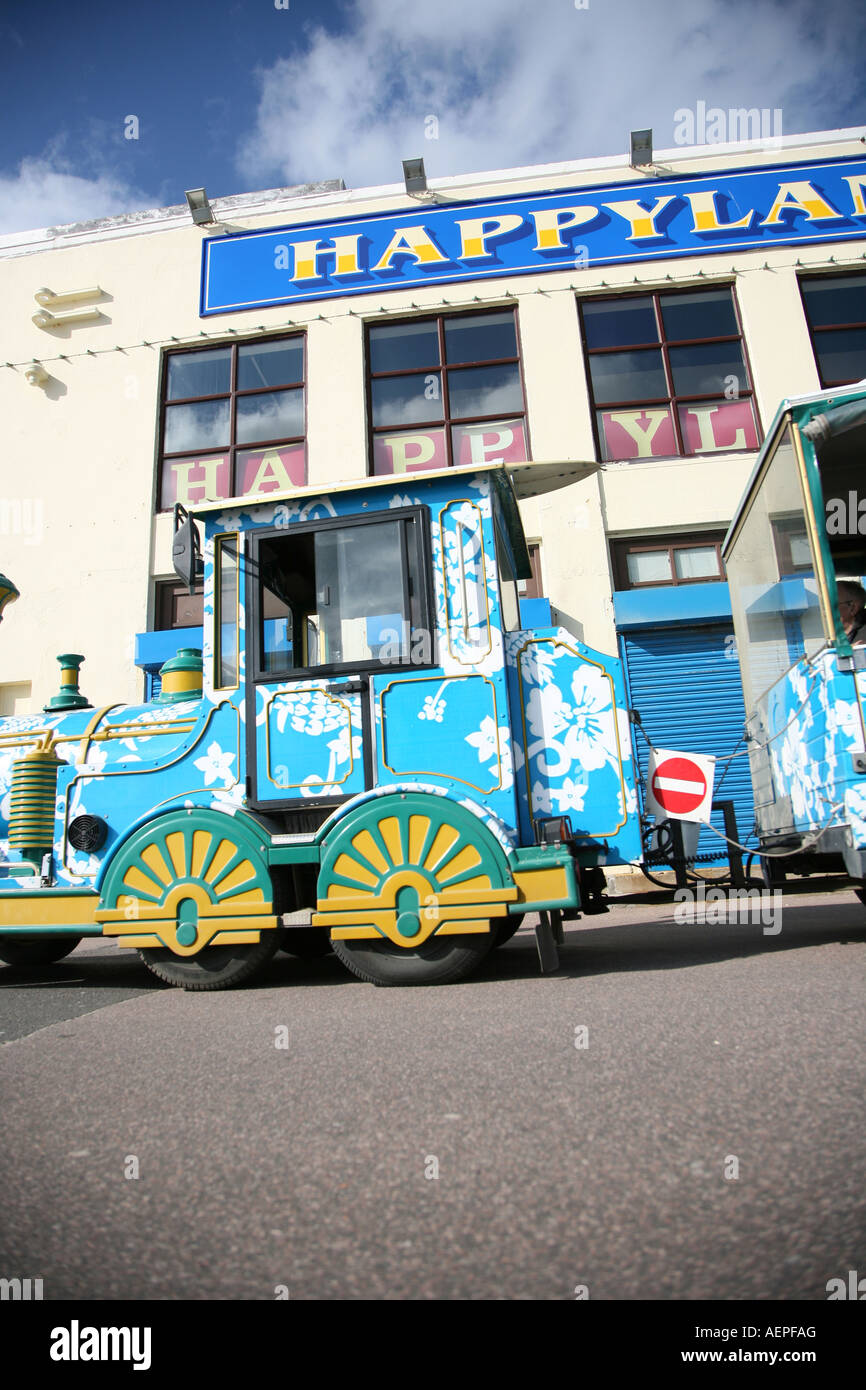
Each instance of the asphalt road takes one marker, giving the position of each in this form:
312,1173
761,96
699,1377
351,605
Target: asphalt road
705,1143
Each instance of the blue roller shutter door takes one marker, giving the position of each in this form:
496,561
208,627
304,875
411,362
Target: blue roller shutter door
685,682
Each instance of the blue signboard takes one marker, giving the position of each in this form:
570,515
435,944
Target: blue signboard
732,210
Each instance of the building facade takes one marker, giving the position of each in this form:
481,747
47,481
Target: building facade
649,319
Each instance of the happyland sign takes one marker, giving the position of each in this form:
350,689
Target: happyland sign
733,210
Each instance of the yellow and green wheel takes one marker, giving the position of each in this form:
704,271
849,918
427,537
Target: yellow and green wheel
191,890
409,886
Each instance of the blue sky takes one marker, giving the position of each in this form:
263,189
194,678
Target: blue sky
240,95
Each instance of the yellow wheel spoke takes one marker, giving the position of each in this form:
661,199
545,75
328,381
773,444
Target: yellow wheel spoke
176,847
201,843
152,857
418,828
347,867
446,839
467,858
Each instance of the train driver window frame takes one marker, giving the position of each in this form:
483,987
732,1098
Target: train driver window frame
296,572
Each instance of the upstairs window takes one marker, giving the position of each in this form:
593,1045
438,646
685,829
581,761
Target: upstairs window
835,308
668,375
445,392
652,560
233,421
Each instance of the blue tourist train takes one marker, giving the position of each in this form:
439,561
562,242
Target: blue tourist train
369,751
796,558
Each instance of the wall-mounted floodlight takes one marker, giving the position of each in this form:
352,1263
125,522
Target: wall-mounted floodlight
641,148
201,210
414,176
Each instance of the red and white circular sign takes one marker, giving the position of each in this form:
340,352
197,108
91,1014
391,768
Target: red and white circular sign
679,785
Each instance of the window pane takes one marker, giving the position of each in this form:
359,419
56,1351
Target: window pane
838,299
842,355
637,432
702,371
649,567
484,391
619,323
628,376
494,441
202,426
270,364
360,604
706,315
272,415
697,562
195,480
199,373
407,400
398,346
227,620
275,469
777,618
481,337
406,452
716,426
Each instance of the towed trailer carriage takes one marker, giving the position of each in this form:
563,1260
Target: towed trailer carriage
368,751
799,531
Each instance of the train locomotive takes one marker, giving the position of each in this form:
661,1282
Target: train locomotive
368,751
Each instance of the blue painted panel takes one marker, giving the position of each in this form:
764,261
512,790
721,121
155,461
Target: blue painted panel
153,649
663,604
570,716
534,612
308,741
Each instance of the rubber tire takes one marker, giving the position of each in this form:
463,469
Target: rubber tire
506,930
35,951
216,967
437,962
307,943
861,894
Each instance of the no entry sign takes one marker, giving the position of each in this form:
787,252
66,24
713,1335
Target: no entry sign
679,785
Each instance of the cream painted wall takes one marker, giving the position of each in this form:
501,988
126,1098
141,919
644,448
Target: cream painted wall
77,530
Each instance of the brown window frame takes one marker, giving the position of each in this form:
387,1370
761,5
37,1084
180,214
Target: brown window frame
233,448
446,423
663,345
803,280
624,546
533,587
165,593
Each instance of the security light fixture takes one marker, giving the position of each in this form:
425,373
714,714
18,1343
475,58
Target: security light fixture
414,176
641,148
201,210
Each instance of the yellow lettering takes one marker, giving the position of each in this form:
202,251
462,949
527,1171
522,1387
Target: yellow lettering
206,490
480,452
803,198
475,232
641,222
270,470
857,183
703,415
705,214
550,222
410,241
643,435
307,254
400,445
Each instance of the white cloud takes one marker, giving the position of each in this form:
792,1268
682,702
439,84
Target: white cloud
44,192
516,83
